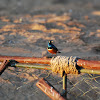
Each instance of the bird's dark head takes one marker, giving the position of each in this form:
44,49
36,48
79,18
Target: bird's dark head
50,41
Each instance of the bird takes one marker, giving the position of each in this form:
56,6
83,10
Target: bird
52,49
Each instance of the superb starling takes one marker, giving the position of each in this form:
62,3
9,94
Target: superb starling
51,48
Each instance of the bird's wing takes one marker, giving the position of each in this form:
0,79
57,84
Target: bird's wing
54,47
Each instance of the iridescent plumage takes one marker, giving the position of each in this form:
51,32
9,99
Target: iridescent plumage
52,49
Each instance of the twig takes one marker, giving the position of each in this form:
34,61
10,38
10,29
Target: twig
89,71
45,67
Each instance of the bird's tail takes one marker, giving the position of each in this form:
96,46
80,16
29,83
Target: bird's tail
58,52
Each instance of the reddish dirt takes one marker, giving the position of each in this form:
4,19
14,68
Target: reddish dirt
27,26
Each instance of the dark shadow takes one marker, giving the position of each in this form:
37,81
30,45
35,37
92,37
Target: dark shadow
11,63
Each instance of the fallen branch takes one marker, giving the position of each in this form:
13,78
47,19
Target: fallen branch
89,64
49,90
26,59
3,66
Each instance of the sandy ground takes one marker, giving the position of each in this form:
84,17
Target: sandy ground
27,26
